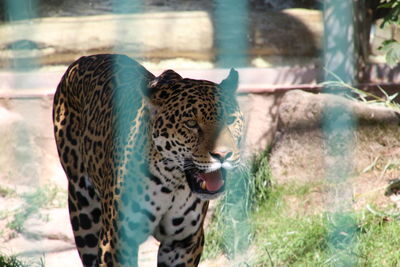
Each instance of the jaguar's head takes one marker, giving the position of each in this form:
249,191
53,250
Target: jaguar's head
196,128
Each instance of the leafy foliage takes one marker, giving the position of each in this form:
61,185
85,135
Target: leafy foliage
394,11
391,47
392,51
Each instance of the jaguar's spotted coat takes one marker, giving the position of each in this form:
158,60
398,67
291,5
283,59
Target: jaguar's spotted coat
143,155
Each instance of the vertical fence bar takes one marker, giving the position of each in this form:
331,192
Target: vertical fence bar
338,127
129,239
231,18
123,25
23,12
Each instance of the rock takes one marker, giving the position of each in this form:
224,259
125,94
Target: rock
353,162
299,109
261,117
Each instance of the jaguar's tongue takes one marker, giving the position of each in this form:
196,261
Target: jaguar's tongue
212,181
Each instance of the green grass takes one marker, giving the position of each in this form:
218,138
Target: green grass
246,192
6,192
43,197
378,240
288,241
11,261
48,196
281,237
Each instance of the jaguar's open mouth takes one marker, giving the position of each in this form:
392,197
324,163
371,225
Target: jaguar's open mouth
206,183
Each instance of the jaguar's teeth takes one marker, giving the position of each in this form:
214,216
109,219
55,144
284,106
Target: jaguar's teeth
203,185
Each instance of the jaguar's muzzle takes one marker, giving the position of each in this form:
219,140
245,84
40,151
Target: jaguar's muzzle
206,182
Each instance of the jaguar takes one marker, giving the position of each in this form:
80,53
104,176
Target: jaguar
143,156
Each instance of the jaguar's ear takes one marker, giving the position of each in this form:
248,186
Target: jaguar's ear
231,82
160,88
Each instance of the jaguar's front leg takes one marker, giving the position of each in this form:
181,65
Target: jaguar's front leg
127,222
183,252
121,253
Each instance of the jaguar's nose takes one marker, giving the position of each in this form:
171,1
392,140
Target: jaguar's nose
221,155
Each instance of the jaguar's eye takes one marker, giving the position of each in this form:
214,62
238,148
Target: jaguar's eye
230,120
191,123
